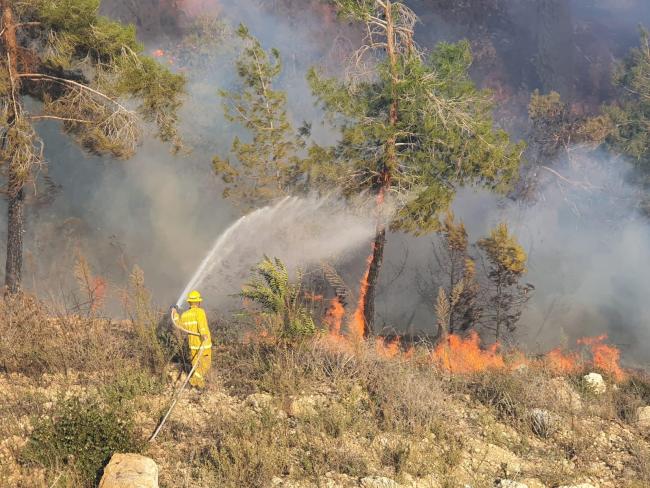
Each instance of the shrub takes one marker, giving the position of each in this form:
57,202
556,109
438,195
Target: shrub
83,434
247,451
282,311
36,339
130,384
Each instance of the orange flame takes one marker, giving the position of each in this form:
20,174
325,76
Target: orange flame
562,363
357,326
464,355
98,293
313,297
334,317
604,357
388,349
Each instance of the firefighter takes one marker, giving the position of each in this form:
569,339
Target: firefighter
195,321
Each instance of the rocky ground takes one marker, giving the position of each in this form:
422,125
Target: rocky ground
286,420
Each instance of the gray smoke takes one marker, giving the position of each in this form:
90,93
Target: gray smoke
588,247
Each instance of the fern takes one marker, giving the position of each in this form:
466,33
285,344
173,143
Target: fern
280,302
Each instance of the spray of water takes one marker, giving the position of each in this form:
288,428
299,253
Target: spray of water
215,254
299,231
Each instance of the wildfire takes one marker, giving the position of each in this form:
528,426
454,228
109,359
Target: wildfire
562,363
357,325
334,317
464,355
388,349
604,357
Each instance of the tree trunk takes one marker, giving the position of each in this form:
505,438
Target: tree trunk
15,226
373,275
390,165
15,221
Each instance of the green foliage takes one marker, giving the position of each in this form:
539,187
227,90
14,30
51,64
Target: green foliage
129,384
82,433
631,115
99,66
506,265
555,127
267,166
281,302
443,136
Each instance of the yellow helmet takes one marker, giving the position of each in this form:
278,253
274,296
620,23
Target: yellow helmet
194,297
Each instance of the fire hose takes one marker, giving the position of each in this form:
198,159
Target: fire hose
179,392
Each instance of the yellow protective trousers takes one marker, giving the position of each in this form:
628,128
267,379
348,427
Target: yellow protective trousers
205,361
196,321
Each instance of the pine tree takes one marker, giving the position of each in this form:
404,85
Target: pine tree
630,115
413,127
506,260
89,73
267,166
459,276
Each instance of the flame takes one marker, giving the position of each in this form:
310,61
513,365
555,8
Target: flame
388,349
98,293
313,297
334,317
357,326
464,355
560,362
604,357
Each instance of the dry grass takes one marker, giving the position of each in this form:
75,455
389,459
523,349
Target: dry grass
322,412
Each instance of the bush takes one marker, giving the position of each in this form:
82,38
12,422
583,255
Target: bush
130,384
35,339
282,312
247,451
82,434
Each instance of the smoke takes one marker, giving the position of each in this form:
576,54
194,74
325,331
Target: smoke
588,247
300,232
588,251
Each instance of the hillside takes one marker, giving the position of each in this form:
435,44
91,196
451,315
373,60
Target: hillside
318,413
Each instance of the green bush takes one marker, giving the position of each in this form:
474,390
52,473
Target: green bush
281,308
82,434
129,384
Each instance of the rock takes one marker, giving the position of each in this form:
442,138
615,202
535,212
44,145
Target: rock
581,485
378,482
259,401
306,406
509,484
533,483
565,394
643,418
542,422
130,471
595,383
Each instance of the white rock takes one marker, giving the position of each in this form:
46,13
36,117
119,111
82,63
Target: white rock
130,471
509,484
643,418
595,383
259,401
581,485
378,482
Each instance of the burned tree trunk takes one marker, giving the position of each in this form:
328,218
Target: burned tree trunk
15,221
15,229
390,165
373,276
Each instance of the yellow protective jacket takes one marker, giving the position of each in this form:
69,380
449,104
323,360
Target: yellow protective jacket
195,320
